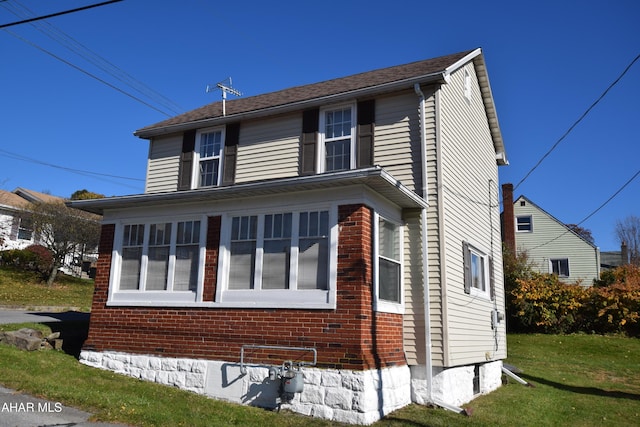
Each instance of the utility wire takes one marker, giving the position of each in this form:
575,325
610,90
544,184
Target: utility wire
94,58
594,212
78,9
87,73
578,121
68,169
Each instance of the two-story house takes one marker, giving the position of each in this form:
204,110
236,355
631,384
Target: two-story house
551,246
349,226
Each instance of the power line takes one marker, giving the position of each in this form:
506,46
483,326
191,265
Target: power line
87,73
92,57
65,12
578,121
20,157
595,211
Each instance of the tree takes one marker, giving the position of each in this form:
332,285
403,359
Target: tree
628,232
585,233
61,230
85,195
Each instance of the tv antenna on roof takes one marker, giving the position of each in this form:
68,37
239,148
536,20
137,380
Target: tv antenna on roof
225,89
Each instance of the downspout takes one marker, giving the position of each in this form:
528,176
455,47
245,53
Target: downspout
425,261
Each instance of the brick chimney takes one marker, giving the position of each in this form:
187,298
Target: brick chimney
508,218
624,252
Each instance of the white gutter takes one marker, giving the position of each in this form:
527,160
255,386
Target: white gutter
425,264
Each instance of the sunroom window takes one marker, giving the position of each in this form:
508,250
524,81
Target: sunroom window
279,251
161,256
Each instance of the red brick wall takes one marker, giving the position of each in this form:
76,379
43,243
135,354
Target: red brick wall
350,337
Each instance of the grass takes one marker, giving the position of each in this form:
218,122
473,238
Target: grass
580,380
27,289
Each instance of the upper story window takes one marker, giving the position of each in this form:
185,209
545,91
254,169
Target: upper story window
160,256
388,272
337,129
524,224
209,146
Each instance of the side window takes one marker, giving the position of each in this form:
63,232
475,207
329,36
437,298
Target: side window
559,266
388,268
477,271
338,136
524,224
209,146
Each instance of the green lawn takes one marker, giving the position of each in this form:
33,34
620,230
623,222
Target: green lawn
580,380
26,289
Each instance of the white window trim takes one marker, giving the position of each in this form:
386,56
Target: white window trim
530,230
379,304
484,256
141,296
277,298
195,173
321,146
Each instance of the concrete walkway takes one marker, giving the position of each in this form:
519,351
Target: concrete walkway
35,316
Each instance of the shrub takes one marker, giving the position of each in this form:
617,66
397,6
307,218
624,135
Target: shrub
33,258
543,303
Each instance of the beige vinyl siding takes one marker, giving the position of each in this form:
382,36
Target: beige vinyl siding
414,329
269,148
470,209
163,164
397,149
550,240
397,138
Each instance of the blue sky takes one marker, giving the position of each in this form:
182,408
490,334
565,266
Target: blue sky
548,61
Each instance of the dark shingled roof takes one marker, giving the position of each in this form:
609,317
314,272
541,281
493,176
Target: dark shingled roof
313,91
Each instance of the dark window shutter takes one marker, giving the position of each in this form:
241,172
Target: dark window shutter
366,123
231,140
186,160
309,140
466,255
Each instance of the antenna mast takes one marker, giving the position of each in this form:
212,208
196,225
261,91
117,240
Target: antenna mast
224,89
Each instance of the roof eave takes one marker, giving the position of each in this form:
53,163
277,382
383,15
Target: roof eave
285,108
375,178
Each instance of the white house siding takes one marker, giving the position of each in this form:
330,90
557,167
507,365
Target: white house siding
269,148
469,197
550,239
163,164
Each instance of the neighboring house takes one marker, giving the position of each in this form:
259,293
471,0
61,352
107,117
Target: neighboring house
351,224
551,246
16,231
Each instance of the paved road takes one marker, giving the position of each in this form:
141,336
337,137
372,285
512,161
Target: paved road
26,316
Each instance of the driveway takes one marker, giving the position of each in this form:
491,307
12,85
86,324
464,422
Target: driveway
31,316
